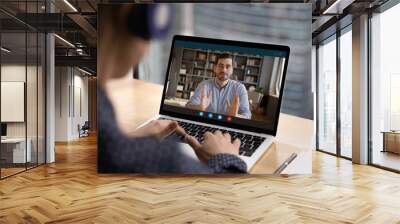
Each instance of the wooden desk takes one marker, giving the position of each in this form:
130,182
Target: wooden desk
391,141
137,101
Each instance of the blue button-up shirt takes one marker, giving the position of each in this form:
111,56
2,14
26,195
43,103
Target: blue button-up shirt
220,95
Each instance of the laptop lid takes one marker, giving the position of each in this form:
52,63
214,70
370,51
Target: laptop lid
234,84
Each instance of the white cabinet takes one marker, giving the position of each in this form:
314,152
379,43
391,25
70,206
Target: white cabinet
19,155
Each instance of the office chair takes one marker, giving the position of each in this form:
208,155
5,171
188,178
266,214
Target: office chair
84,130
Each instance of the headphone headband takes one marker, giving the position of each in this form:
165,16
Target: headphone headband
150,21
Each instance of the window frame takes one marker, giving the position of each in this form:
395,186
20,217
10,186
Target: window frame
381,9
29,29
333,37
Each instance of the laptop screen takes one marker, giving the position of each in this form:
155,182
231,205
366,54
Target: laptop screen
229,83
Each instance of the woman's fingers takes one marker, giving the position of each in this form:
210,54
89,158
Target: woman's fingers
192,141
227,136
168,129
207,135
180,131
236,143
218,134
200,153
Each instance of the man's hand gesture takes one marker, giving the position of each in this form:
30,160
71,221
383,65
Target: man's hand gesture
205,98
233,108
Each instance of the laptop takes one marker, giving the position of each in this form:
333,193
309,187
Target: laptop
251,77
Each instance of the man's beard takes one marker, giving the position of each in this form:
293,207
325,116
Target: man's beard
222,77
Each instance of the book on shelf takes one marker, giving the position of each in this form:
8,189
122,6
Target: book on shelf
213,57
182,71
251,71
238,76
251,79
201,56
181,80
239,61
210,65
179,87
198,72
253,62
188,54
199,64
179,95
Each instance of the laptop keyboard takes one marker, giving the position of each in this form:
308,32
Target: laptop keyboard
248,143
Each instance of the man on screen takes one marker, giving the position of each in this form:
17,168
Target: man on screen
221,95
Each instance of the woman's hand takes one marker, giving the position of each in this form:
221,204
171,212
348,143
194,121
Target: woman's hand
159,129
213,144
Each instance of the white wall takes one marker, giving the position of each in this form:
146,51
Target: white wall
80,103
82,82
71,94
62,81
13,73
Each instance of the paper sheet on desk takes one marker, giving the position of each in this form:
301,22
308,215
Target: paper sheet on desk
295,131
296,135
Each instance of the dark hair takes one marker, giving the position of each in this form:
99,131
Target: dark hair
138,21
223,56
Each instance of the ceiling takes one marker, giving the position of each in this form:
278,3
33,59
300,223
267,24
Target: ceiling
76,22
77,25
330,15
